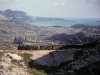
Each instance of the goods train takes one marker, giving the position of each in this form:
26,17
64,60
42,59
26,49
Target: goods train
44,47
58,47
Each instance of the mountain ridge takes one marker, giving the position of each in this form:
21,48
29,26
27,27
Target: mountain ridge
25,17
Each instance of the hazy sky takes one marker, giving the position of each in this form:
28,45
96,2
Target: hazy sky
55,8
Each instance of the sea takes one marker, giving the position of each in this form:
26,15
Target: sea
71,21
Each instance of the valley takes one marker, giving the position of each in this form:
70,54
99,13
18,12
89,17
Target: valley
53,35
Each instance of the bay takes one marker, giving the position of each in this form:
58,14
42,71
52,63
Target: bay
70,22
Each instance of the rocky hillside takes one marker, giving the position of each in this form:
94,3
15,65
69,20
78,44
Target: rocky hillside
77,38
86,62
15,63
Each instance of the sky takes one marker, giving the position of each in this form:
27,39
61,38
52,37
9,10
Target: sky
55,8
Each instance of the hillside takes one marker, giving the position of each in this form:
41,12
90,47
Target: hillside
85,27
16,64
47,35
77,38
86,62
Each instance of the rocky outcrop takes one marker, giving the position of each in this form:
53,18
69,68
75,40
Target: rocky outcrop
87,63
53,58
9,64
9,69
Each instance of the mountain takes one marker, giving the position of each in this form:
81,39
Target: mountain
17,15
25,17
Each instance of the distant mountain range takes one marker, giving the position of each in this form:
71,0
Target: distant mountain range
25,17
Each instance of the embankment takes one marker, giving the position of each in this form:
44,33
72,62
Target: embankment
46,57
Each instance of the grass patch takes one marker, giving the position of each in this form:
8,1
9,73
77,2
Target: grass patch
17,62
36,72
1,56
33,71
8,46
26,58
9,56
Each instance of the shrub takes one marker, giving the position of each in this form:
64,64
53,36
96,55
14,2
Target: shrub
17,62
78,54
37,72
26,58
9,56
1,55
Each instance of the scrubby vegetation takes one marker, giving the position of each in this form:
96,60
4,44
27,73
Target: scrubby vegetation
14,64
33,71
36,72
26,58
1,55
17,62
8,46
78,54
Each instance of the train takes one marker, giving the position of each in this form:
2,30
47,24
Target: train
42,47
57,47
